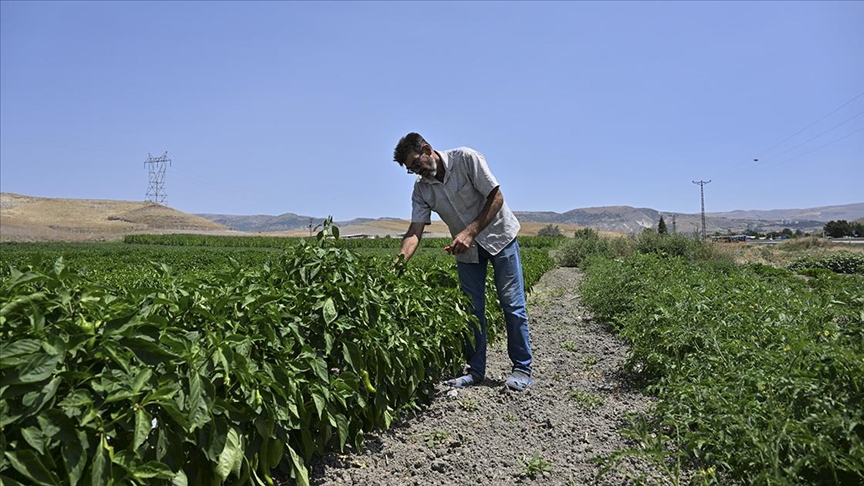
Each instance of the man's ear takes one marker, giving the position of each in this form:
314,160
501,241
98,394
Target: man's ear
426,149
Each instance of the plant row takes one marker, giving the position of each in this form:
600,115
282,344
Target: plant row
759,372
220,376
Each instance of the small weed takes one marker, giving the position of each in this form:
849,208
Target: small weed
586,400
468,404
535,466
436,437
510,417
557,377
569,346
589,360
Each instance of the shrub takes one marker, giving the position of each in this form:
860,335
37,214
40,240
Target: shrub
804,244
587,242
550,231
839,262
679,245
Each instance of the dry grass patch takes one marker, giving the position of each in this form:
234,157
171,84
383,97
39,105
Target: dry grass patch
782,254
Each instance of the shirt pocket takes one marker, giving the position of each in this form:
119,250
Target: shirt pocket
467,199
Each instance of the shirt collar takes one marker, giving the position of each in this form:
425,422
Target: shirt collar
445,161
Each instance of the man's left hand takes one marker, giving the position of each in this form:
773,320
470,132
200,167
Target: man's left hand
460,244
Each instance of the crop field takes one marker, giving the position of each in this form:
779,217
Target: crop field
197,363
186,359
758,370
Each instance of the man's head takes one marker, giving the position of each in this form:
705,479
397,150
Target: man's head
415,154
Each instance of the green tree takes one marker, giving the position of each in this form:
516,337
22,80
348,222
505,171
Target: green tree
549,230
838,229
661,226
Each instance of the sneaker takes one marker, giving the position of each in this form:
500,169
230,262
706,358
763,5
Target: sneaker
518,381
463,381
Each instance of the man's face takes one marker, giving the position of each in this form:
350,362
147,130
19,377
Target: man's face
421,164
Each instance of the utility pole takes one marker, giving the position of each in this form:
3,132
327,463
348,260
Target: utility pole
156,189
702,192
674,230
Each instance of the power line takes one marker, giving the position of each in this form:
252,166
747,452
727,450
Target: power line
825,145
808,126
808,152
813,138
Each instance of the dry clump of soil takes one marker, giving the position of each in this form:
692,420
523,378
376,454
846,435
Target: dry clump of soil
486,434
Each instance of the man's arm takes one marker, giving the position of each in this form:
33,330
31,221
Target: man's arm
465,238
411,240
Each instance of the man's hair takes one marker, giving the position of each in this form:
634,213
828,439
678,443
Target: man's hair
412,142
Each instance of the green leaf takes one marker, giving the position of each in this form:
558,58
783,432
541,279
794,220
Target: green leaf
143,424
231,457
300,473
348,353
12,306
34,437
329,310
152,469
38,368
320,402
75,457
173,411
32,467
35,401
148,351
101,464
329,339
320,367
161,393
180,479
7,481
109,348
342,425
198,411
141,380
78,398
21,347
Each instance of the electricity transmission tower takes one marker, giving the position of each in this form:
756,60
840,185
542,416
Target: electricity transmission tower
156,189
702,192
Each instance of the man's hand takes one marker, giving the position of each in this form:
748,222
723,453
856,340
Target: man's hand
461,243
398,265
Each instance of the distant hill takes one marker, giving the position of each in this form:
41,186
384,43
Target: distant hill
263,223
622,219
848,212
27,218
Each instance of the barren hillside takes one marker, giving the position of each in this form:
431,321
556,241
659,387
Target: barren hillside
26,218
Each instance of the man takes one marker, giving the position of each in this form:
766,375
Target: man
459,187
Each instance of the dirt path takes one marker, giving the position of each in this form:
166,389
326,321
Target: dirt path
489,435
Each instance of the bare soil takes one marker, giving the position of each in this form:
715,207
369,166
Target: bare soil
488,434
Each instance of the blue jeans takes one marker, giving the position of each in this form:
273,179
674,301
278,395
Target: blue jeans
510,285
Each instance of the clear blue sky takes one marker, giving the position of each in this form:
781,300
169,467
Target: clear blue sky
275,107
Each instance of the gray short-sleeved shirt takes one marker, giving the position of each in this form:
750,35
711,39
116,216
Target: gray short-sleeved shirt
459,199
